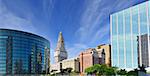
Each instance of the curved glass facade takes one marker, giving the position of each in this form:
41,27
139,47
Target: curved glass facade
23,53
130,35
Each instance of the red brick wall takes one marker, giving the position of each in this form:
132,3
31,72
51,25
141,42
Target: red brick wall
86,60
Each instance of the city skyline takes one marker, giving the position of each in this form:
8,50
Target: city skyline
84,23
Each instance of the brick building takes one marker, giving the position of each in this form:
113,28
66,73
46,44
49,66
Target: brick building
88,58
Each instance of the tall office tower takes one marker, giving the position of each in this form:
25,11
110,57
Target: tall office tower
143,55
125,27
60,51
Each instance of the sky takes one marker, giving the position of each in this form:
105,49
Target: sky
83,23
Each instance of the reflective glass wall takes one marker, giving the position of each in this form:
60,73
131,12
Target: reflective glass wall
22,52
130,30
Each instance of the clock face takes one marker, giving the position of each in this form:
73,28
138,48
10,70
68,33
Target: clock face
64,54
60,53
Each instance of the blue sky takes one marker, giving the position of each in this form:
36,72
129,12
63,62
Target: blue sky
84,23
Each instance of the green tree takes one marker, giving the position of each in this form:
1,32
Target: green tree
110,71
97,69
101,70
89,70
122,72
132,73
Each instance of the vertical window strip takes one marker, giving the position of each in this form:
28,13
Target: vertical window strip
124,39
147,15
111,39
117,38
140,56
132,55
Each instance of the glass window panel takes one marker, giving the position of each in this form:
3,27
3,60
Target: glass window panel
128,38
143,19
114,40
135,34
120,40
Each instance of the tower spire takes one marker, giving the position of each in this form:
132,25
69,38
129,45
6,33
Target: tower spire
60,51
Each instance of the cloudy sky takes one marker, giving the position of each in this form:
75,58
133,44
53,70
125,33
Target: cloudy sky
84,23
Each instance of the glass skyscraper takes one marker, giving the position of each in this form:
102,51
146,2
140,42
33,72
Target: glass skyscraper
127,28
23,53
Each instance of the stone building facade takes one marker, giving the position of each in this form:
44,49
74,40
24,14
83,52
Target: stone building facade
64,64
104,49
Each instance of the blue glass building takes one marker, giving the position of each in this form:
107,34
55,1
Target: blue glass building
127,27
23,52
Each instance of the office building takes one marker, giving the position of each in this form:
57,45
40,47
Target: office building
22,52
125,27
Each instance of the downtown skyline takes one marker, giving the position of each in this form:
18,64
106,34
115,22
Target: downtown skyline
83,23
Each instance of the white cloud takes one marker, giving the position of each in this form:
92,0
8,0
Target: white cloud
10,21
93,24
73,51
92,18
100,34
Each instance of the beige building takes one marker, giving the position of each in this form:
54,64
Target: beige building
68,63
55,68
71,63
106,48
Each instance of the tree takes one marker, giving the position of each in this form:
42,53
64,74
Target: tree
122,72
89,70
132,73
110,71
100,70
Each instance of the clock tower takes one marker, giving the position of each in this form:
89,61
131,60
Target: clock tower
60,51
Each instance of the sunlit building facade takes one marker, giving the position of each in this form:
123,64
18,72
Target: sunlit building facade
65,64
22,52
125,28
106,48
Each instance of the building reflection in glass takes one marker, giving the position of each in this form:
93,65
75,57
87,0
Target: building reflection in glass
22,52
